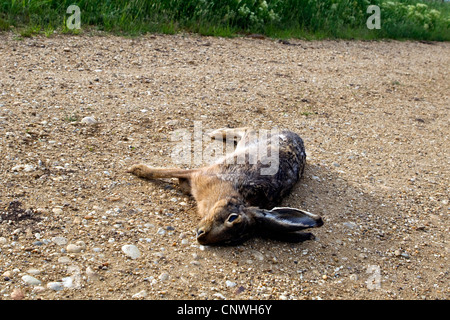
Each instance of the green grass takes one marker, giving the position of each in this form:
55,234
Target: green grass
308,19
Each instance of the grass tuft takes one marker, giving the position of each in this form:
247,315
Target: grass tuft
307,19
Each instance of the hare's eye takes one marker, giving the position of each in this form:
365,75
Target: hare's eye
232,217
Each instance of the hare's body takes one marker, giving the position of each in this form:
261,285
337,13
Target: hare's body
265,190
233,194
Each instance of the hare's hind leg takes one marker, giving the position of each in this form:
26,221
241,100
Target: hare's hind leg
184,176
144,171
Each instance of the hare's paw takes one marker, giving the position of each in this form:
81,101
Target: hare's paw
140,170
236,133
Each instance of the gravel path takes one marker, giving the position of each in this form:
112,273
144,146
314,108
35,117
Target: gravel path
76,111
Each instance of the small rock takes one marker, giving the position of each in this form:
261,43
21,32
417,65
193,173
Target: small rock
60,241
38,289
240,290
139,295
172,122
350,225
32,281
3,240
219,296
67,282
405,255
34,272
230,284
19,167
164,276
17,294
64,260
131,251
57,211
353,277
28,168
73,248
89,120
55,286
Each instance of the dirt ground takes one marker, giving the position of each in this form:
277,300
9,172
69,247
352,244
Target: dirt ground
374,117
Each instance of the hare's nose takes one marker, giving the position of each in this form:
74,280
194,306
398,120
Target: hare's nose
200,232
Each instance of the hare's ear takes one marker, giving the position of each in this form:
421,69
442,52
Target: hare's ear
283,220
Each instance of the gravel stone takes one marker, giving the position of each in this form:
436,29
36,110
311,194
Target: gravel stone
55,286
32,281
73,248
131,251
88,120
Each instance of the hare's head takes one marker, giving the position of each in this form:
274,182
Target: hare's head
226,223
231,222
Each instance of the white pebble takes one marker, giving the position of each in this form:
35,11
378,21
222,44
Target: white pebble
230,284
57,211
131,251
34,272
64,260
164,276
60,241
88,120
55,286
219,295
73,248
32,281
67,282
140,294
28,168
350,225
19,167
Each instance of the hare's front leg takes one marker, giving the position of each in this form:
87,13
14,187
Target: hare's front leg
235,133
